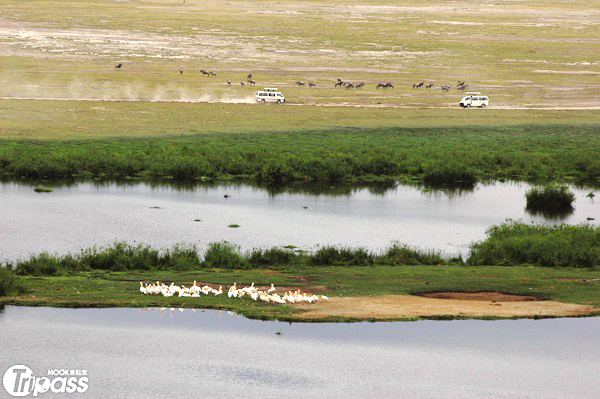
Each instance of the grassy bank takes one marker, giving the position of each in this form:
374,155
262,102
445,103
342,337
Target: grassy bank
111,289
516,243
508,244
435,155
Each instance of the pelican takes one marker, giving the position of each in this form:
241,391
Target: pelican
271,289
142,289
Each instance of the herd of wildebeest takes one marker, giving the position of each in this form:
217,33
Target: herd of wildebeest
460,86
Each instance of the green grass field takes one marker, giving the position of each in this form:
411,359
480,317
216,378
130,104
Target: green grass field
112,289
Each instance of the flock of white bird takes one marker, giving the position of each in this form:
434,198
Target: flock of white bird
268,296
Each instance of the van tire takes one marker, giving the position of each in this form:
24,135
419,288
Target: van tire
263,101
482,106
468,105
278,101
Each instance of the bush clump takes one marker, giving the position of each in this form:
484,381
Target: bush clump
549,200
516,243
404,255
224,255
7,280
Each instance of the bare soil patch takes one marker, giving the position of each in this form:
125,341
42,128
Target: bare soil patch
408,306
481,296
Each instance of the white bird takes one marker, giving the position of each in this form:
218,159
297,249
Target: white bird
142,289
271,289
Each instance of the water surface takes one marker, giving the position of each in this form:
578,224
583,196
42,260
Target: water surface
98,214
135,353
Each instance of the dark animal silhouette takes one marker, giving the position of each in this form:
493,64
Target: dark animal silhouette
118,66
348,85
205,73
462,88
242,84
299,83
418,86
429,86
360,85
228,82
311,84
385,85
339,83
249,76
212,73
251,82
445,87
181,71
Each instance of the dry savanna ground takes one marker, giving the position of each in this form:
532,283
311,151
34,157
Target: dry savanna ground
523,54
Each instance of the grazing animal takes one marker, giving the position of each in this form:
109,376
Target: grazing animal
252,82
228,82
348,85
462,88
418,86
204,73
299,83
459,83
360,85
385,85
181,71
212,73
339,83
429,86
249,76
118,66
311,84
242,84
445,88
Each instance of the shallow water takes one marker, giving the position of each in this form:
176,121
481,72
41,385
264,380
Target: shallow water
89,214
133,353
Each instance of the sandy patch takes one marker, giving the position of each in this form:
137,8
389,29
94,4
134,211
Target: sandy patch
481,296
408,306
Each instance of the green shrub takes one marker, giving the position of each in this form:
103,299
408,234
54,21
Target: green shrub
224,255
43,264
7,280
549,200
516,243
405,255
180,258
342,256
272,257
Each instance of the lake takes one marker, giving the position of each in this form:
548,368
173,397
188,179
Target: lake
135,353
89,214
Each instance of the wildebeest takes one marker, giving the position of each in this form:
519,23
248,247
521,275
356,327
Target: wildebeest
348,85
118,66
251,82
228,82
418,85
181,71
360,85
429,86
212,73
385,85
446,87
242,84
299,83
339,83
311,84
249,76
205,73
459,83
463,87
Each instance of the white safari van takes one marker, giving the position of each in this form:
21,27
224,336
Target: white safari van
269,95
474,99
